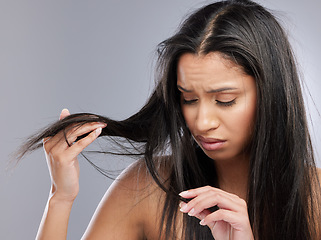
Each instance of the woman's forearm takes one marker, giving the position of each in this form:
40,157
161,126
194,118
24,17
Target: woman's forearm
54,223
61,153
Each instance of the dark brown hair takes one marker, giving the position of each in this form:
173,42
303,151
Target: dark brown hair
282,179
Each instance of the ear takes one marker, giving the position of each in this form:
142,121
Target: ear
64,113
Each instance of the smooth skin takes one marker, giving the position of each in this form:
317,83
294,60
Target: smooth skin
129,209
218,102
64,172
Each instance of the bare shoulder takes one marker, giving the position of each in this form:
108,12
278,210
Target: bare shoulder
128,208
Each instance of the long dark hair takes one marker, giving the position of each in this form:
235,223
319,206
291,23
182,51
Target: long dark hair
282,178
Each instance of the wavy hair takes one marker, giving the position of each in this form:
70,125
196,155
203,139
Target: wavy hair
282,176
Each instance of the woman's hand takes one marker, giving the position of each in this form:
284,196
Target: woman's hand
230,221
62,159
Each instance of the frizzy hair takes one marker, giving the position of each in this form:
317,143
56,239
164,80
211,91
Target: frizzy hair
282,178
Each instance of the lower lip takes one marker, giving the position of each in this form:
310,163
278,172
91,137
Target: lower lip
211,146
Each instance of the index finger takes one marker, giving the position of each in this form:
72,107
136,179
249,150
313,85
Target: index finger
79,146
197,191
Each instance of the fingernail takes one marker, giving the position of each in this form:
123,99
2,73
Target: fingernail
98,131
182,194
202,222
183,207
191,213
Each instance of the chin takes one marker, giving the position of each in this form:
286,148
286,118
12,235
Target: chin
218,155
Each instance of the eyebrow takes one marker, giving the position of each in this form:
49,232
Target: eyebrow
210,91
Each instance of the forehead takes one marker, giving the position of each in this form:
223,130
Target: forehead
211,69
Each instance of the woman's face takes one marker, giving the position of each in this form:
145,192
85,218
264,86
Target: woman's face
218,102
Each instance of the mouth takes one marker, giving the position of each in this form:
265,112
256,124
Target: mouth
210,144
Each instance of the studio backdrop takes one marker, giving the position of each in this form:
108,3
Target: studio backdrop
98,56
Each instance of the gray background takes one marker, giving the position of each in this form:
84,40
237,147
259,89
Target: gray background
97,56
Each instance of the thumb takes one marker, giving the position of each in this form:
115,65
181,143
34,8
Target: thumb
64,113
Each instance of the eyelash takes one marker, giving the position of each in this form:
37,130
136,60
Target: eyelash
189,101
224,104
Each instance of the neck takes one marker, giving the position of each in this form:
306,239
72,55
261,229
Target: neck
233,175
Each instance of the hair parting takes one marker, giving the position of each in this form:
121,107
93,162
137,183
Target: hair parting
282,195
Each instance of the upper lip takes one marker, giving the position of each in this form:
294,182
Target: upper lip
209,140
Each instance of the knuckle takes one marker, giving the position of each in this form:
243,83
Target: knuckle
194,202
219,214
218,196
243,203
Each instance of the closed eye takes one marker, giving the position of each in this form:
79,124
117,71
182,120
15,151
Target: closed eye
226,104
189,101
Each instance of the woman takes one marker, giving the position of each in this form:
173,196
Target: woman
223,139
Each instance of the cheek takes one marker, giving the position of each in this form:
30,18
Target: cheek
241,123
188,116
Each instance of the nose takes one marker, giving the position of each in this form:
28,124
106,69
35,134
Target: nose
207,118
